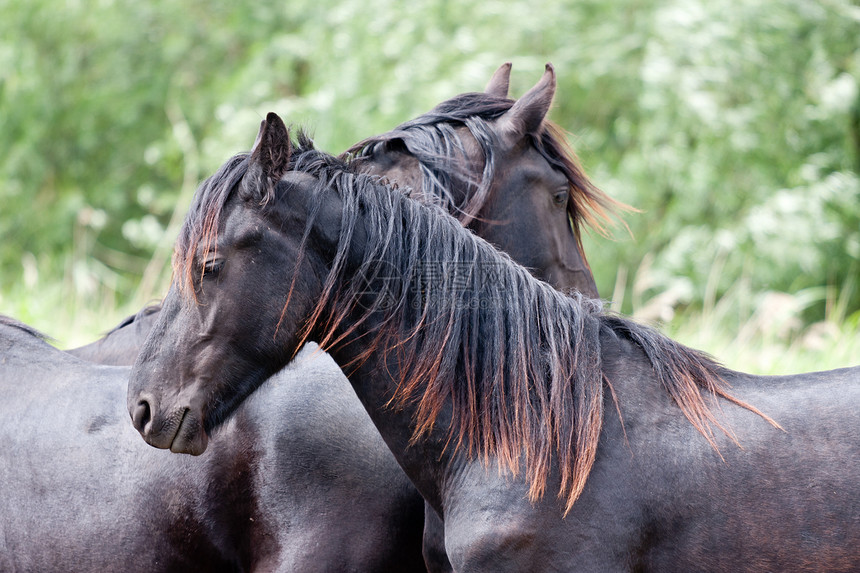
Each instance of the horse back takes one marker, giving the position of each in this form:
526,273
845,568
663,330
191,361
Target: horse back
81,491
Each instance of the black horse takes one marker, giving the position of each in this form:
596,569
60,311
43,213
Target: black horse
530,186
81,492
532,197
493,392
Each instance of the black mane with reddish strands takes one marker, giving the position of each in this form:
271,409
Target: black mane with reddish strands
519,362
433,140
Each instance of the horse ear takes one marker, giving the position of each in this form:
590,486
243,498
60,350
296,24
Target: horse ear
528,112
500,82
269,159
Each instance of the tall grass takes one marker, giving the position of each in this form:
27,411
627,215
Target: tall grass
773,339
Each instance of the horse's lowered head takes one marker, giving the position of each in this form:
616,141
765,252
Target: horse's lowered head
234,219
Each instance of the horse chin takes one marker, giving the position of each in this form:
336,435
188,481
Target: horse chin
190,436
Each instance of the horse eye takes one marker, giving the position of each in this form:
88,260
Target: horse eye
212,266
560,198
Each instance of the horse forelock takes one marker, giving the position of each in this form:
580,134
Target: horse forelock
201,223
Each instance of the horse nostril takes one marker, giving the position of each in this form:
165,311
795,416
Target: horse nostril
142,417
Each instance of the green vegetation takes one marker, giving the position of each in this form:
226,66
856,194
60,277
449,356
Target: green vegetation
734,126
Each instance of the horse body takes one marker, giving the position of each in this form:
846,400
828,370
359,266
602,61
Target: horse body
82,493
660,498
788,491
496,395
534,198
781,501
59,450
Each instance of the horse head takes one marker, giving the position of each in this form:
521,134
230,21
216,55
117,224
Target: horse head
234,224
530,196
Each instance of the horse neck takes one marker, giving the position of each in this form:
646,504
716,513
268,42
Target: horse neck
374,378
413,355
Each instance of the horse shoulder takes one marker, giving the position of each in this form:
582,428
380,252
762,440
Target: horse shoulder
490,525
325,477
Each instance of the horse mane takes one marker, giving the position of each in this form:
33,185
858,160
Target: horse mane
135,318
519,362
25,328
433,140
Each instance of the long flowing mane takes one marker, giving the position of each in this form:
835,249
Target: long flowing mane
432,138
519,362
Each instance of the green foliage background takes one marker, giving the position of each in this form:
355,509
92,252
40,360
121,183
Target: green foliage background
733,125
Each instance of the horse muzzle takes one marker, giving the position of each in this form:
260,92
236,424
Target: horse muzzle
181,430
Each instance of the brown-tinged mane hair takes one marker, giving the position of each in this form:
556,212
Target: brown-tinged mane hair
433,139
519,363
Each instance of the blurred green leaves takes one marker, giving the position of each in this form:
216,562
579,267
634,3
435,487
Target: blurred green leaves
733,125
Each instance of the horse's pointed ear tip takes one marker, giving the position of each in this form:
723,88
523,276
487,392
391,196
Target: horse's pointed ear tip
274,119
